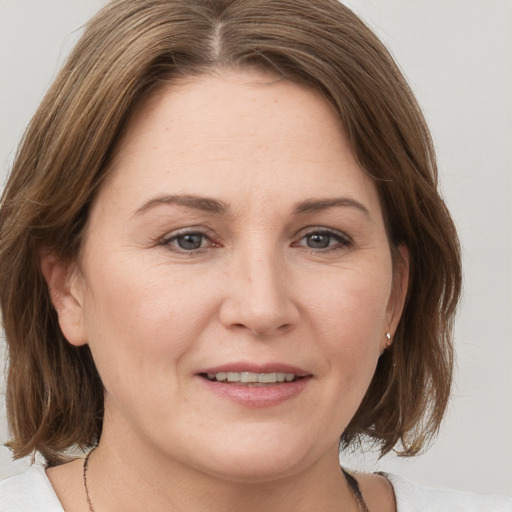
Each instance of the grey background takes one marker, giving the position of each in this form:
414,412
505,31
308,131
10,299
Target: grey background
457,55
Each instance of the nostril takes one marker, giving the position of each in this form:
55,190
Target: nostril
258,314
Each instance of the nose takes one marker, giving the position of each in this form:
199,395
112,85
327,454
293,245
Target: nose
259,296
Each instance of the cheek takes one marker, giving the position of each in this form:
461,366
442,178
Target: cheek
349,317
353,301
142,322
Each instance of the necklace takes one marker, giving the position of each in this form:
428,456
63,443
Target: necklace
351,481
86,485
356,492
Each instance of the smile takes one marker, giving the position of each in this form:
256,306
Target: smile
251,378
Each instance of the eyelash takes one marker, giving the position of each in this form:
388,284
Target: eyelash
342,241
174,237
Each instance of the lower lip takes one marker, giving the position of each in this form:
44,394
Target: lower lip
258,396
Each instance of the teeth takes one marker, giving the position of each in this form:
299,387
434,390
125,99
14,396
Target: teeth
249,377
265,378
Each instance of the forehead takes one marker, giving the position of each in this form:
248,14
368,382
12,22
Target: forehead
233,132
253,106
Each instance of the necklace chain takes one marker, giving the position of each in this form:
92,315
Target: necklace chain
86,484
356,492
361,505
358,497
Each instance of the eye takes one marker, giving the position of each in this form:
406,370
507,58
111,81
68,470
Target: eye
189,241
324,240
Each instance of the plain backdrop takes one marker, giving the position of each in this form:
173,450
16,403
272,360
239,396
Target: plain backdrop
457,55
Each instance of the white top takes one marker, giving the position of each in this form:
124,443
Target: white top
32,492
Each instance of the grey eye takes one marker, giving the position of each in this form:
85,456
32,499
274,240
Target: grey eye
190,241
319,240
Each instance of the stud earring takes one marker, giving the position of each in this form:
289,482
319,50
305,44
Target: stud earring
388,337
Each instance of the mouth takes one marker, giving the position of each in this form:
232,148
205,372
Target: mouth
251,379
256,385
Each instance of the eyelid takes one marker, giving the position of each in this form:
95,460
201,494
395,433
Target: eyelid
189,230
345,240
322,229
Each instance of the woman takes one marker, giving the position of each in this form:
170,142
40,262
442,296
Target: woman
222,253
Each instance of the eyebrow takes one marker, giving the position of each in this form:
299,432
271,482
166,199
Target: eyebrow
204,204
215,206
315,205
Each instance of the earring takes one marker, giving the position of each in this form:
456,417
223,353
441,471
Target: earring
388,336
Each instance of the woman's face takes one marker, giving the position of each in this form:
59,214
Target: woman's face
236,238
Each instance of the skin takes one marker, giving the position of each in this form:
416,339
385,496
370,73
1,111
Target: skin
269,281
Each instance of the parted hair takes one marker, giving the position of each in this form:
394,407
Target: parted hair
54,395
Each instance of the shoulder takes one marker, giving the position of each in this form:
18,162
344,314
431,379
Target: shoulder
413,497
29,492
377,491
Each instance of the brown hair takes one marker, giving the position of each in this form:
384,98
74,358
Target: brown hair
54,393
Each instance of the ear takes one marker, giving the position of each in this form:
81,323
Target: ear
66,292
399,291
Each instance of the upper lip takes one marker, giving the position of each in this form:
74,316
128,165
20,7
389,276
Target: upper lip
239,367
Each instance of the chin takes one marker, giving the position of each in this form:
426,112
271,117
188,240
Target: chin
255,471
257,460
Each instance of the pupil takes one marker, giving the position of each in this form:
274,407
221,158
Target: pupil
318,241
190,242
